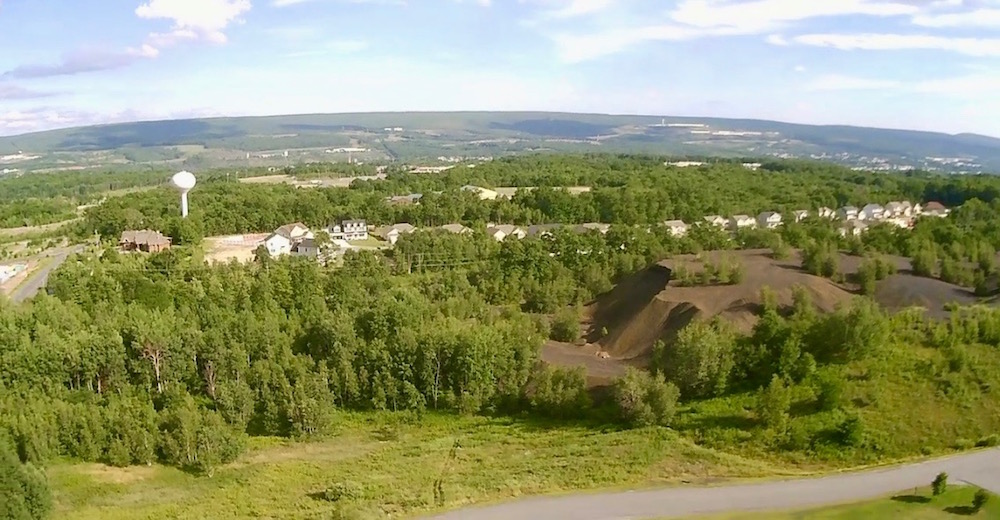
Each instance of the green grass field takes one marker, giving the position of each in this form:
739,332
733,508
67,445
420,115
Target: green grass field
391,465
955,503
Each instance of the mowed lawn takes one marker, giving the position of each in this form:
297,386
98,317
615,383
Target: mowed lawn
953,504
391,466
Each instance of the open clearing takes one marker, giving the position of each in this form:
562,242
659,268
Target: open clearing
233,247
394,462
26,230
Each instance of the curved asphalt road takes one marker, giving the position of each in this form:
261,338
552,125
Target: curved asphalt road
36,280
981,468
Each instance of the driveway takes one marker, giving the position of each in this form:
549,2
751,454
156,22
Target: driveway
981,468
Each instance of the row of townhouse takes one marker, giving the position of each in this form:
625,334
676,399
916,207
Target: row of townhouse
500,232
298,240
899,213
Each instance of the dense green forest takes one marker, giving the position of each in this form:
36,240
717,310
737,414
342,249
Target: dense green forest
135,359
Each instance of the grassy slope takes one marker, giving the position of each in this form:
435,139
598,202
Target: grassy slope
396,462
910,404
922,506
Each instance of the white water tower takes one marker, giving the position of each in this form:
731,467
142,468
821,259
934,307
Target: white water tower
183,182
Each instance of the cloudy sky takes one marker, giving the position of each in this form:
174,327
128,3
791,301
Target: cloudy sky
921,64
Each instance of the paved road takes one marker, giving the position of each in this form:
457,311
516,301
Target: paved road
981,468
40,277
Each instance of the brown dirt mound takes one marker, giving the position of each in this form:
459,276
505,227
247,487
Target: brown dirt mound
903,290
645,308
600,371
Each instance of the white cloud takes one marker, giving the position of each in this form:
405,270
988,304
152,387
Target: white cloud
841,82
332,47
800,68
970,87
286,3
896,42
979,18
763,15
574,8
692,19
192,19
47,118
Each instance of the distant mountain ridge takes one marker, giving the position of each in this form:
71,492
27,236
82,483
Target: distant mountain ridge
423,136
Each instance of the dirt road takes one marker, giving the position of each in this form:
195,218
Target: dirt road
981,468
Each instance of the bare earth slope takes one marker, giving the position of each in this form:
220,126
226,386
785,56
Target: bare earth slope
623,325
645,309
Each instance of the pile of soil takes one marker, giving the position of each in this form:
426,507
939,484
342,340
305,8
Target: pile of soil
647,308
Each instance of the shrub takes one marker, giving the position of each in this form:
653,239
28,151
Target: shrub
940,484
700,361
851,431
773,406
829,391
737,274
24,492
342,491
644,399
566,326
560,392
963,444
979,500
989,442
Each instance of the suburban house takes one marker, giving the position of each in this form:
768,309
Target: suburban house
349,230
294,232
404,200
769,219
853,228
483,193
741,221
677,228
935,209
306,247
502,231
716,220
596,226
898,209
800,215
457,229
847,213
278,244
872,212
392,233
826,212
542,230
146,240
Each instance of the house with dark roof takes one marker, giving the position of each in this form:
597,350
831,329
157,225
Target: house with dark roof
935,209
146,240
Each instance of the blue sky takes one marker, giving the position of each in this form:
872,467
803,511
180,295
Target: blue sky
921,64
